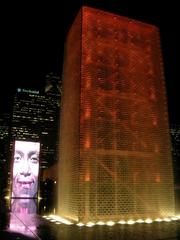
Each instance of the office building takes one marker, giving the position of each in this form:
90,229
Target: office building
4,153
175,139
35,117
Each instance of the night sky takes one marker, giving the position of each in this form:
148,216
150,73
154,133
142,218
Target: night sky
33,35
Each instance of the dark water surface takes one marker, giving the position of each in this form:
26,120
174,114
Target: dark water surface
22,219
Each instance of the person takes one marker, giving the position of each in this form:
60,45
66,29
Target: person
25,169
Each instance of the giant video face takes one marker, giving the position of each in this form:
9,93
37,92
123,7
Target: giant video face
25,170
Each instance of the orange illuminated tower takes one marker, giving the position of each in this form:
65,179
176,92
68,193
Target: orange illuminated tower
115,154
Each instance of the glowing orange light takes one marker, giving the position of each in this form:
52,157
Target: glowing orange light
154,121
88,84
152,96
87,177
87,143
88,59
158,179
87,113
156,149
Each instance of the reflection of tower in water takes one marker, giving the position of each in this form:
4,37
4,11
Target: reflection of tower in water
28,206
23,217
115,158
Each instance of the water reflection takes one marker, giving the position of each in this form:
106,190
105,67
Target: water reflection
26,224
23,218
137,231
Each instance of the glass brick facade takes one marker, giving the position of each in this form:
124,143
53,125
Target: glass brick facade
115,158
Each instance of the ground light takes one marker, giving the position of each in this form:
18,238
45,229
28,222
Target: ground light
59,220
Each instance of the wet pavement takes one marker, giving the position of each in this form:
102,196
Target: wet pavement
23,221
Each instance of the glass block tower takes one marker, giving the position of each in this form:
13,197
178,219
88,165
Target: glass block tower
115,160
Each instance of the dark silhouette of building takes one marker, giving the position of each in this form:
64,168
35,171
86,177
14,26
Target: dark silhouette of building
175,139
4,152
4,136
115,154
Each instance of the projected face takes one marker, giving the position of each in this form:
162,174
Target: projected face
25,169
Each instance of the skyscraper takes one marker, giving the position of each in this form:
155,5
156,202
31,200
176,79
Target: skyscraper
4,153
115,154
175,138
35,117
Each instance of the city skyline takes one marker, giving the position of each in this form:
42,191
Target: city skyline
33,42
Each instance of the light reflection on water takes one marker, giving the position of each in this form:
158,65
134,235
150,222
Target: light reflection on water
23,216
24,219
137,231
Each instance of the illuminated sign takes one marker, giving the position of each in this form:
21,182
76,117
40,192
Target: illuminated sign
27,91
25,169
